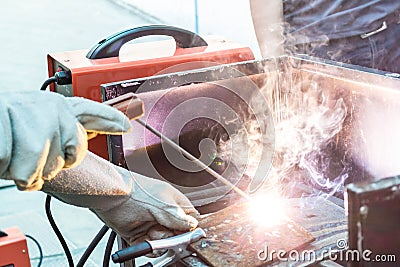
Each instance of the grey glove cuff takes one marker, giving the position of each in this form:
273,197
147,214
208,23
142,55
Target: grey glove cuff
121,199
94,184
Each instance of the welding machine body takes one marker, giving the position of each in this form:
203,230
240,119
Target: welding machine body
14,249
111,60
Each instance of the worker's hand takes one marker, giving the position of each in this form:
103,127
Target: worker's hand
125,201
43,132
150,200
150,232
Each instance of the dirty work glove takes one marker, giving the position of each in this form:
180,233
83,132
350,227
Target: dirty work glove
123,200
44,132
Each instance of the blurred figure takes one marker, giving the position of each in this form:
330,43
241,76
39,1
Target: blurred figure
361,32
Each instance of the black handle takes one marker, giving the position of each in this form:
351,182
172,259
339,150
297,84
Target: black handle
3,234
110,46
132,252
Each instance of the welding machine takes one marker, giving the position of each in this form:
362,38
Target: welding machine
110,60
13,248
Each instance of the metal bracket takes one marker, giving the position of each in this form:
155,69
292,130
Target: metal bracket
382,28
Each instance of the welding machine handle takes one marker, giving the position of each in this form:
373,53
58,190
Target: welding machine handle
110,46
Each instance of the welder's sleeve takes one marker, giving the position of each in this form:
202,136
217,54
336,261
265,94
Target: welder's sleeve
125,201
44,132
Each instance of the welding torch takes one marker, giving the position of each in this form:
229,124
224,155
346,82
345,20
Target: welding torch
132,106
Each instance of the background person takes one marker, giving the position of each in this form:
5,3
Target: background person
362,32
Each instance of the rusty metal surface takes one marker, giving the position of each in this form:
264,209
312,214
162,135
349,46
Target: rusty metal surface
235,239
355,152
371,98
324,219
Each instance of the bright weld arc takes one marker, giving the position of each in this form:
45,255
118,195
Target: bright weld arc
194,159
267,210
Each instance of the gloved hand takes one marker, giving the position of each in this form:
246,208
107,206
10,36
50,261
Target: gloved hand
123,200
43,132
155,232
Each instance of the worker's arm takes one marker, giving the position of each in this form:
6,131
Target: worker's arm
125,201
268,25
43,132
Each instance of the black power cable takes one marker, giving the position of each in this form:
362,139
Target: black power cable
92,245
108,251
39,248
64,245
48,82
48,198
57,232
60,77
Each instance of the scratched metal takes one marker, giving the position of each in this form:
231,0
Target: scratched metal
235,239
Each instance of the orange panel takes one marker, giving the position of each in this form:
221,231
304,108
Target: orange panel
13,249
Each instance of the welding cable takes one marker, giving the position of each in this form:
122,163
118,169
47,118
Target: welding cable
60,77
92,245
107,252
39,248
47,82
57,232
7,186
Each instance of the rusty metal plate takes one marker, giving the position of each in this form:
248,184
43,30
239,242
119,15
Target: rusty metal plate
235,239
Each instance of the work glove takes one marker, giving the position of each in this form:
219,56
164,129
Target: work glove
127,202
154,232
44,132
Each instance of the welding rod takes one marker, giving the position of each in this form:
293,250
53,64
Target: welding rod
133,107
194,159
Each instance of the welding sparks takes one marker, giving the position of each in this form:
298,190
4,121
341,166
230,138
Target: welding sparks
267,210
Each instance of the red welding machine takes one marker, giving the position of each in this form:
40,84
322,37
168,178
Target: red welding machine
13,249
110,61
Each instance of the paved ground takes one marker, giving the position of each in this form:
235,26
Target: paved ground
30,30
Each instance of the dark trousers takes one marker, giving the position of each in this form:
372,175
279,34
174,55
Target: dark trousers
379,51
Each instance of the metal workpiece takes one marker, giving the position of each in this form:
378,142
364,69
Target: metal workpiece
341,127
198,162
363,99
128,104
133,107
